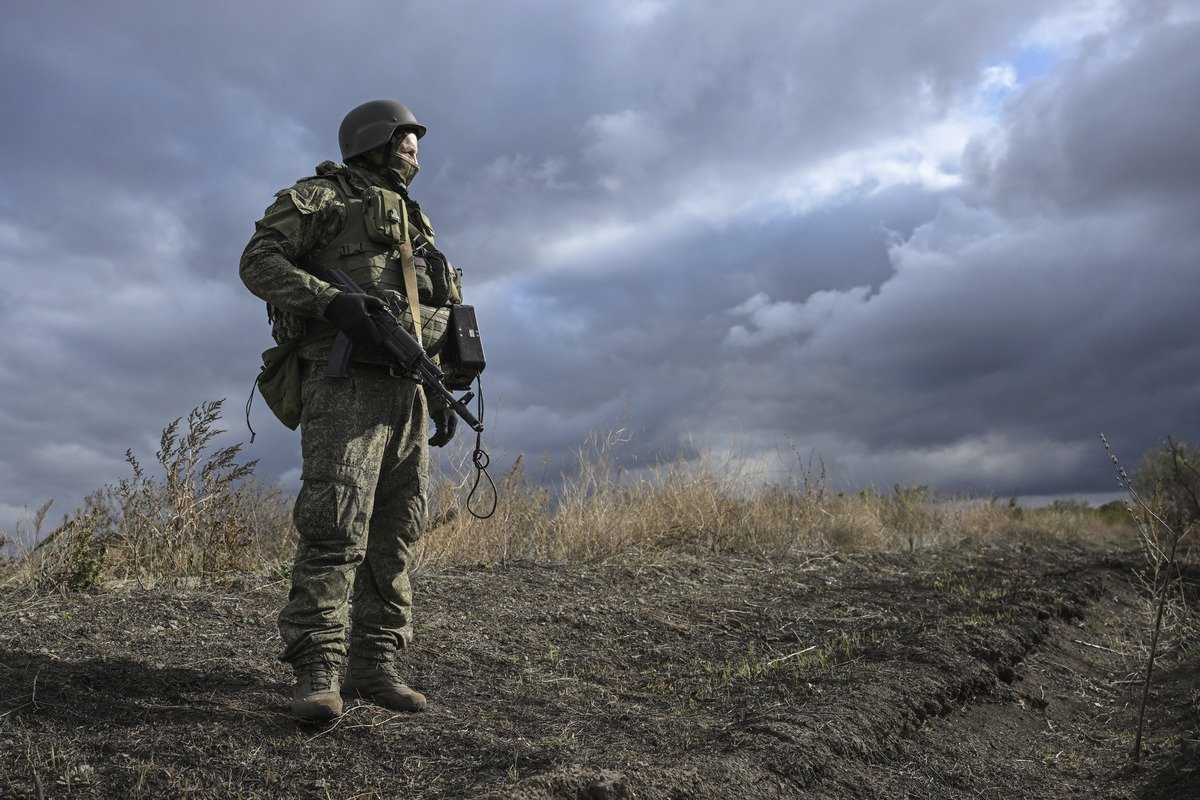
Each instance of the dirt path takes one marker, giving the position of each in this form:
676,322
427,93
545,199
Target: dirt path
930,675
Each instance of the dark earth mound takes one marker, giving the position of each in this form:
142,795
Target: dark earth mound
996,673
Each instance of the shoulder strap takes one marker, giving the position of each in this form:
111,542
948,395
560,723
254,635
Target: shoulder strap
409,268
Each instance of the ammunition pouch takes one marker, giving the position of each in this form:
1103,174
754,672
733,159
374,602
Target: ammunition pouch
435,322
385,215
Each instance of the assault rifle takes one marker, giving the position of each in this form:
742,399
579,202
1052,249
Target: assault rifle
407,351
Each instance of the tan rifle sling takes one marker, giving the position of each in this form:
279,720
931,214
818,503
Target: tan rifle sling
409,268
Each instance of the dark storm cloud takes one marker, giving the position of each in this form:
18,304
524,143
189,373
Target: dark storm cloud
1114,129
1056,302
702,222
682,121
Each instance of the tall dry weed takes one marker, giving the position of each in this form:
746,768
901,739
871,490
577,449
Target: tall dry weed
202,515
1163,523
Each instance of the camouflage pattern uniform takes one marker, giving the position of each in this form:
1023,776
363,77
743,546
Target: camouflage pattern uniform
362,505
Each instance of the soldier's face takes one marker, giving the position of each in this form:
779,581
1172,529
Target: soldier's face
406,146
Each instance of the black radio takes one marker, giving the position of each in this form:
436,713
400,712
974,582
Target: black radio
462,355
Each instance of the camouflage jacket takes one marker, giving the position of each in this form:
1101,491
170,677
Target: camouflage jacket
303,219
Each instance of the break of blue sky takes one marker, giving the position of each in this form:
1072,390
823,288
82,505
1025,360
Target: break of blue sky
1032,61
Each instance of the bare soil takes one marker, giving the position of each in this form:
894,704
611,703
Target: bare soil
983,673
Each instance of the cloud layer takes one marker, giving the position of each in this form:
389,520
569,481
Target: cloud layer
942,243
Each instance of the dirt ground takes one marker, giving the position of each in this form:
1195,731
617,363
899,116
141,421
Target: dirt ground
988,673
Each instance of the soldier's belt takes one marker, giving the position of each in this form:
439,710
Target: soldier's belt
392,371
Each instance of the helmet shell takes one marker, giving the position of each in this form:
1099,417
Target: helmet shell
371,124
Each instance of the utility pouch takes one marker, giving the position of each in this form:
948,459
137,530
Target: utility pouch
280,381
385,215
462,354
432,267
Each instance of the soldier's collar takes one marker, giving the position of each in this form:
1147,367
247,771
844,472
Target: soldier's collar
372,178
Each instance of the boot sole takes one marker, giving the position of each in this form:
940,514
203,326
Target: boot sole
317,712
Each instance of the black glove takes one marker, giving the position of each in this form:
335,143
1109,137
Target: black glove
445,424
350,313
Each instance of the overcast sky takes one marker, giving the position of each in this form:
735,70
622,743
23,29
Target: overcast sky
940,242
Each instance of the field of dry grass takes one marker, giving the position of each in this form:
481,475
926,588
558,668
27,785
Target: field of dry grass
204,516
709,506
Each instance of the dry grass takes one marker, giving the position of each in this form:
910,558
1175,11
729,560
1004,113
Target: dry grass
205,516
710,506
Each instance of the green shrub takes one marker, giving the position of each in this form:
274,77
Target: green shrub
1168,478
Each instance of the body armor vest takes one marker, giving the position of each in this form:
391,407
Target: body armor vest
381,229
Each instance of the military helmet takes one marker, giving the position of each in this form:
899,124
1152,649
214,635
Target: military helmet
372,124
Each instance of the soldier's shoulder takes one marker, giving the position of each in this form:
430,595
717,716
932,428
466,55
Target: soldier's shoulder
317,192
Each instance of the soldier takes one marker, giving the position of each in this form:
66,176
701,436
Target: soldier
362,505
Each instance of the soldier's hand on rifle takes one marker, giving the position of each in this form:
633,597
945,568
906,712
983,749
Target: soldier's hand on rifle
445,424
351,312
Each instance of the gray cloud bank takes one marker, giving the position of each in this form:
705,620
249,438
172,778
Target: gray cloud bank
936,242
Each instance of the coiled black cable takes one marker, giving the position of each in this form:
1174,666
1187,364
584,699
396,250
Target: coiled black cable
481,460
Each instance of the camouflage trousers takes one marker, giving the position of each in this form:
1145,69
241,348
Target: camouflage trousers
361,509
